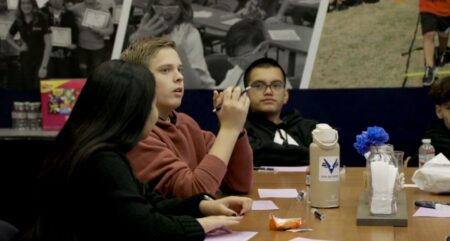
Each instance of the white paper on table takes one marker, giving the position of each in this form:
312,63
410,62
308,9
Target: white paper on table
95,18
284,35
278,193
12,4
430,212
264,205
4,28
202,14
231,21
61,37
307,239
287,169
233,236
117,11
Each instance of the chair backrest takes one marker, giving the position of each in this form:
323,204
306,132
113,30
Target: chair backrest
218,66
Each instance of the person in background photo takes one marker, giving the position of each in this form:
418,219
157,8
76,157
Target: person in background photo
173,19
435,19
35,46
439,133
62,62
178,158
87,190
91,40
296,10
245,42
277,138
252,9
9,56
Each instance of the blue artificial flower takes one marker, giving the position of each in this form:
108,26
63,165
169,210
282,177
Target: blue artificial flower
373,136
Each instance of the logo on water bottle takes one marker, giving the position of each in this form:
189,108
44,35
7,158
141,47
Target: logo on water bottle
329,168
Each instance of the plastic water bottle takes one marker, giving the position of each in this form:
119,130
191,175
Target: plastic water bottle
426,152
324,167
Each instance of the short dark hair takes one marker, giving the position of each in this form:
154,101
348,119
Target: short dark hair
262,63
244,32
440,91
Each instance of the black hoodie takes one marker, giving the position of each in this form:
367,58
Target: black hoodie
266,152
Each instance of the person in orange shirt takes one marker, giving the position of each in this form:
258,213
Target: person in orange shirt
435,18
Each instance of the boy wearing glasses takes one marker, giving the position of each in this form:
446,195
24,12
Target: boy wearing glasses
277,139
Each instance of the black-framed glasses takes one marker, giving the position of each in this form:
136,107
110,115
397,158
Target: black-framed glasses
262,87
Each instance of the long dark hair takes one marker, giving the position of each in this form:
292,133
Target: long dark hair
110,113
35,10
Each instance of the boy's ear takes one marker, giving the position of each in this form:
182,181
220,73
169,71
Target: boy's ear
439,111
286,96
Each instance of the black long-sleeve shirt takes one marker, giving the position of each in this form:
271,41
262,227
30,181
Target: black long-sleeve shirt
440,138
266,152
104,201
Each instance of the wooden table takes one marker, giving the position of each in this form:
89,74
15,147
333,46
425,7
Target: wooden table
215,21
340,223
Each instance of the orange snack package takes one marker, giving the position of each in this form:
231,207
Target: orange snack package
282,224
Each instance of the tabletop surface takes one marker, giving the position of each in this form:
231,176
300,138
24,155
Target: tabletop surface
340,223
14,134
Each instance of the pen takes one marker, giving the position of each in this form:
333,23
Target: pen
318,214
217,108
430,204
299,230
263,168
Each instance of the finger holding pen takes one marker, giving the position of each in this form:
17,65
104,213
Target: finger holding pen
217,100
234,109
232,115
242,96
225,94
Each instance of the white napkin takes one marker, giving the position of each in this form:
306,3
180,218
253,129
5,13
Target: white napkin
383,176
434,176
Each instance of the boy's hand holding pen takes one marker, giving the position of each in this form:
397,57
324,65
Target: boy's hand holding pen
232,106
218,106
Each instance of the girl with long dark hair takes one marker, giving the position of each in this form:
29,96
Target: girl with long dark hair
87,190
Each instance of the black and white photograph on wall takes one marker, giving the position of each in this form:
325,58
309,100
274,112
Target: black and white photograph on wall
54,39
217,39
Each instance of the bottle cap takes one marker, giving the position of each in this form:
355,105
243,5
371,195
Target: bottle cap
324,133
426,141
